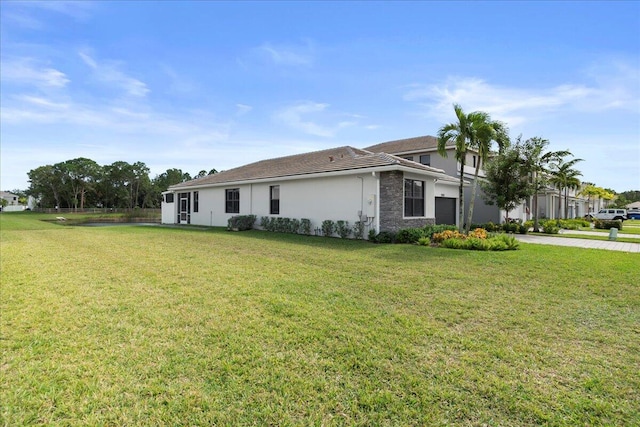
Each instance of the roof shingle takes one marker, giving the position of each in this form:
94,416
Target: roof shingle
408,145
330,160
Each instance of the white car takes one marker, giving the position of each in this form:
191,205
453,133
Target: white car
610,214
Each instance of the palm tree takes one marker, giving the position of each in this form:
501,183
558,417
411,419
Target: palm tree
589,190
563,177
462,134
539,162
487,132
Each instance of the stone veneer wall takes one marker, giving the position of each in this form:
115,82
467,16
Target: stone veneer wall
392,204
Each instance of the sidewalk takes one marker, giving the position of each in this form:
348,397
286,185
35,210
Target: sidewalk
581,243
596,233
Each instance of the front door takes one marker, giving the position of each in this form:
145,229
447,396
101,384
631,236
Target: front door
184,209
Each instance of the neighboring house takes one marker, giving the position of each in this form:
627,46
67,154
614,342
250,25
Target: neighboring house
578,206
12,199
344,183
634,206
12,202
424,150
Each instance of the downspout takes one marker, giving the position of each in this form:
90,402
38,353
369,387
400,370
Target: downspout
250,199
376,212
361,197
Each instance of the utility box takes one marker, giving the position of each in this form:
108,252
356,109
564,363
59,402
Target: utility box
613,233
370,206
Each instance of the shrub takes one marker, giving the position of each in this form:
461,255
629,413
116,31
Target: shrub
501,242
294,226
454,244
241,222
424,241
328,227
446,235
478,233
385,237
506,241
607,224
264,222
523,229
510,227
489,226
372,235
430,230
497,244
550,227
358,229
305,226
343,229
410,235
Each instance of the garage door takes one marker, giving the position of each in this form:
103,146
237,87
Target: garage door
445,210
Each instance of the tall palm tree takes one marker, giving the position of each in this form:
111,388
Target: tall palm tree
487,131
539,162
563,176
461,133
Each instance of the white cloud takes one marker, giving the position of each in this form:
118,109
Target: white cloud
109,72
288,55
79,10
243,109
614,86
42,102
511,105
27,71
292,117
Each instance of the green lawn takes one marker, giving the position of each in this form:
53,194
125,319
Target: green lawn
631,226
163,326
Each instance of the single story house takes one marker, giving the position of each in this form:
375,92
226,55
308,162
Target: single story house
344,183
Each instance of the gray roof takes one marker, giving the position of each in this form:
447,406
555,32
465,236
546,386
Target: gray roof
332,160
409,145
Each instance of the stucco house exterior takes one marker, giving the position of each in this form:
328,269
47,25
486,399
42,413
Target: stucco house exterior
424,150
386,192
12,199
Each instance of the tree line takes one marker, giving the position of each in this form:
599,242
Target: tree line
80,183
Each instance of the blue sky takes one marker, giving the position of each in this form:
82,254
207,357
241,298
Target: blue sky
202,85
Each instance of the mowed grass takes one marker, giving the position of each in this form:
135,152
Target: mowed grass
631,226
159,326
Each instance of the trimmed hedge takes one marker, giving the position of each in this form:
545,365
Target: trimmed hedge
241,222
607,224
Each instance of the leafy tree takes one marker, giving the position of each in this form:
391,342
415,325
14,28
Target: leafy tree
169,178
507,181
114,184
138,182
45,185
463,135
81,174
590,191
